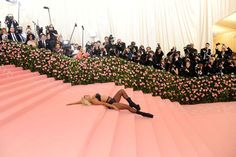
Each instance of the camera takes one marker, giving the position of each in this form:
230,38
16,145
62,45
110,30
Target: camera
19,30
111,39
39,30
53,33
9,21
66,44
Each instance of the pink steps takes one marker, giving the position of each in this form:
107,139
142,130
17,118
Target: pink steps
183,117
35,121
147,144
122,131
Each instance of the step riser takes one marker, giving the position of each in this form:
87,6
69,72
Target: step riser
12,69
9,104
18,90
199,145
12,74
163,133
21,82
24,108
14,79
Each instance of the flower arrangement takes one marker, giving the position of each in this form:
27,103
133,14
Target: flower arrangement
113,69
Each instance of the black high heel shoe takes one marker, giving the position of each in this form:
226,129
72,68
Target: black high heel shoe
144,114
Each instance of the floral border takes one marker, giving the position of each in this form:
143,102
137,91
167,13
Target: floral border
113,69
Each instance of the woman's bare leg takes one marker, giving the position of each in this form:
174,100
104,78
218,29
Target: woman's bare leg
121,106
122,93
119,94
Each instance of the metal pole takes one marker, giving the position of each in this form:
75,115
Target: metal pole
19,12
82,36
49,16
72,33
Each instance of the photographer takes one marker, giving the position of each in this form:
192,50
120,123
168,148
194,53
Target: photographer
157,57
50,44
133,50
120,47
187,70
143,57
205,53
199,70
226,52
11,22
174,70
109,45
96,50
53,35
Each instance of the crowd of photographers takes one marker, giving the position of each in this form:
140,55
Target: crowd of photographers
192,64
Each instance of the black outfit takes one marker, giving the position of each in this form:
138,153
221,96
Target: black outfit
42,44
205,55
14,37
192,53
97,52
228,53
187,72
120,47
133,49
143,58
12,23
109,99
50,44
157,59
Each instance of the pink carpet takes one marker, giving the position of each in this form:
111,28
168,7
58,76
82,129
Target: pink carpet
34,122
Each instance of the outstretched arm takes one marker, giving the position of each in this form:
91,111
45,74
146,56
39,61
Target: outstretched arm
75,103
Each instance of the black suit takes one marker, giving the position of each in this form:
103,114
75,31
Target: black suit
157,58
13,23
42,44
120,47
50,44
11,37
228,53
205,54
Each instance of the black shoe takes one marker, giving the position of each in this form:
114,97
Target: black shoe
132,104
144,114
137,107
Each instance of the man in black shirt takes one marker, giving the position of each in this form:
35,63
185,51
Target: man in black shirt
120,47
205,53
157,57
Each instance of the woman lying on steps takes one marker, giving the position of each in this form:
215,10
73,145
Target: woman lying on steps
113,103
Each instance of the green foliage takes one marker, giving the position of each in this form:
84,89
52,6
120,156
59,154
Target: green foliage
122,72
